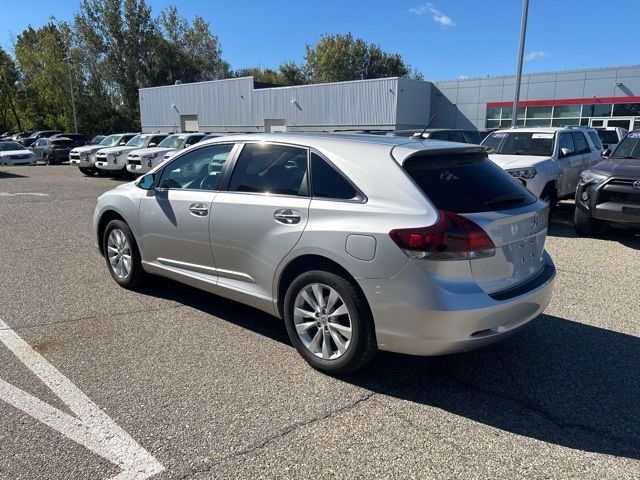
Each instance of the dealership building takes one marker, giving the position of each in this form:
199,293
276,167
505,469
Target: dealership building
596,97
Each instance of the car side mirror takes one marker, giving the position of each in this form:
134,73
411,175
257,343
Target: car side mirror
147,182
564,152
122,143
606,153
152,145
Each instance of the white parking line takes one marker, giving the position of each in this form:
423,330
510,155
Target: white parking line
92,428
35,194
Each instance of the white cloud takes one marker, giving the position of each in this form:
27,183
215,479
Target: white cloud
463,77
535,54
445,21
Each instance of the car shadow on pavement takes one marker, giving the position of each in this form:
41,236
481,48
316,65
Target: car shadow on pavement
11,175
556,381
562,226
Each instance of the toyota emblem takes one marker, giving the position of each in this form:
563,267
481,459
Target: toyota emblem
636,184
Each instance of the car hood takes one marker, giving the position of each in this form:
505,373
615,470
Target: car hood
7,153
124,149
147,151
516,161
88,149
619,167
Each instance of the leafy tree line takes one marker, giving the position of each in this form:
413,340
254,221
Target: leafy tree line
112,48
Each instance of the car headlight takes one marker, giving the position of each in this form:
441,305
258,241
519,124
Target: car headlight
522,172
591,177
150,155
118,153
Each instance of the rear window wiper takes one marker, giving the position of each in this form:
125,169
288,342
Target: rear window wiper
515,198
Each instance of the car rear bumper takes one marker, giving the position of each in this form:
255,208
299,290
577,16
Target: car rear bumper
415,314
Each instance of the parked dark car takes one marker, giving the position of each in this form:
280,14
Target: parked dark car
97,139
610,190
446,134
53,150
17,137
79,139
30,140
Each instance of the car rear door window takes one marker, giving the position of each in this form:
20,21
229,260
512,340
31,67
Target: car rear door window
580,142
466,183
327,182
199,169
269,168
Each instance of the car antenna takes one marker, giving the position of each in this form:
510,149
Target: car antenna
419,135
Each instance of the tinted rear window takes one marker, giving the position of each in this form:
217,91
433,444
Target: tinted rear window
466,183
608,136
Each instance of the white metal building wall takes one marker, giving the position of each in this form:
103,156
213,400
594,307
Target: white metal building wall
234,104
463,103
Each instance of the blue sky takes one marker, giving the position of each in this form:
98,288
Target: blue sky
444,39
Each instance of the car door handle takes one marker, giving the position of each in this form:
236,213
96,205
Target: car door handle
199,209
287,216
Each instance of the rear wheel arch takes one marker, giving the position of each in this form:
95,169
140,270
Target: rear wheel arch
309,262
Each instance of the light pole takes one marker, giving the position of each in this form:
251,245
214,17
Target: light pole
523,35
73,102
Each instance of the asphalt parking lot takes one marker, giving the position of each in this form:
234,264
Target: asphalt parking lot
212,389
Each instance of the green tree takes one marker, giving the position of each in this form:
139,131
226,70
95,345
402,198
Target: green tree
9,93
45,95
187,52
118,38
287,74
337,58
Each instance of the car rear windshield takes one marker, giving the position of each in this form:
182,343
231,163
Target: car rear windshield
466,183
520,143
608,136
629,147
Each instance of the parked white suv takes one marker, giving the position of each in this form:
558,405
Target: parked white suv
114,159
547,160
85,157
142,160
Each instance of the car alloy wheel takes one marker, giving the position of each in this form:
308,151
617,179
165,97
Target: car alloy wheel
119,253
322,321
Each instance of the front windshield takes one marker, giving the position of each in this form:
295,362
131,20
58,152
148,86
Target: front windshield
539,144
9,146
629,147
172,141
111,140
138,141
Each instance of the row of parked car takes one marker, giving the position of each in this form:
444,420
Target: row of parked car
552,162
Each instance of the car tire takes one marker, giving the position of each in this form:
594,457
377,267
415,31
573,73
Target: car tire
550,195
89,172
584,224
353,329
47,159
122,255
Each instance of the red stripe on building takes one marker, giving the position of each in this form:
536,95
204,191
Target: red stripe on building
566,101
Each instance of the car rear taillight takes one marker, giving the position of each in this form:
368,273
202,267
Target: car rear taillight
452,237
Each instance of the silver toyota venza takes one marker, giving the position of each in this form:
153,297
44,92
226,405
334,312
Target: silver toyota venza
359,243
